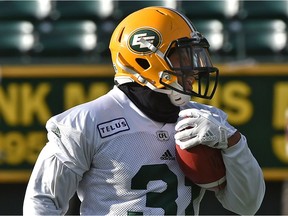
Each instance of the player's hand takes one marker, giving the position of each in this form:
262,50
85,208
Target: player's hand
200,127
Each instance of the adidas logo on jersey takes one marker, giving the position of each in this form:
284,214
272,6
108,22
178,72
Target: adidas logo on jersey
167,156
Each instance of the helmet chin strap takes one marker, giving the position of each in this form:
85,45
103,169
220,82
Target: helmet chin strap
177,98
124,79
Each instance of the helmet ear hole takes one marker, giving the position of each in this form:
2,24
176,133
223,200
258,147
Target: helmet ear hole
143,63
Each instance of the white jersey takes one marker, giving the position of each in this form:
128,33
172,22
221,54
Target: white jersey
121,162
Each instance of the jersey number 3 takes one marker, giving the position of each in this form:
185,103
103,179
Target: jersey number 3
166,199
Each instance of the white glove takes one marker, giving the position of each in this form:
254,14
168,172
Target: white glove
200,127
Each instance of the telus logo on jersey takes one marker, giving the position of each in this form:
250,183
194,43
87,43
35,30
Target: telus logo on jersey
148,34
112,127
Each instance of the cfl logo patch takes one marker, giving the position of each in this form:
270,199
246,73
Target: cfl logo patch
162,135
150,35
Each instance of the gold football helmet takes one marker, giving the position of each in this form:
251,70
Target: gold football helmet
160,48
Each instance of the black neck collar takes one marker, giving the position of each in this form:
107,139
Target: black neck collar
155,105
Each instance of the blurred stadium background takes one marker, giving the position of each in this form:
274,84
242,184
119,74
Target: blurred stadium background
42,31
54,54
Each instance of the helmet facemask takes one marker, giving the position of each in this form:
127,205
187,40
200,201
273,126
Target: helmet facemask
189,61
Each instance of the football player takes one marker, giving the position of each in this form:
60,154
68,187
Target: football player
118,151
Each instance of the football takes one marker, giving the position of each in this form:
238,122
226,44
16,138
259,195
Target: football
203,166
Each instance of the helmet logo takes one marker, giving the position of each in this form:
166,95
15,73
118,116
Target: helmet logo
148,34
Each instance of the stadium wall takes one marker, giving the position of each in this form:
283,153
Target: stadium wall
255,96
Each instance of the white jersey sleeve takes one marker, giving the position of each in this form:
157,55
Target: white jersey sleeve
245,183
57,172
51,186
246,187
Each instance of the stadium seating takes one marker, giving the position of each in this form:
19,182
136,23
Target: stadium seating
16,38
124,8
216,9
213,30
264,9
66,38
55,28
264,37
92,9
25,10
